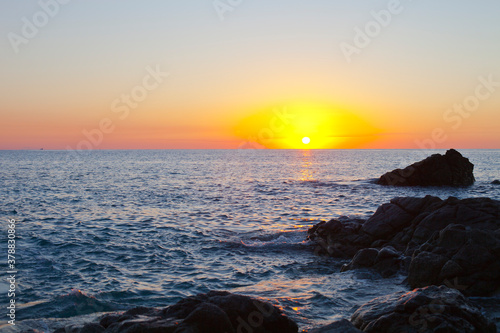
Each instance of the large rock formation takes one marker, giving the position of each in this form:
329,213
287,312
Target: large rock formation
431,309
451,169
214,312
448,241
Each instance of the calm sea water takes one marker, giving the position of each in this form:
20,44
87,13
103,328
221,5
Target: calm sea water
117,229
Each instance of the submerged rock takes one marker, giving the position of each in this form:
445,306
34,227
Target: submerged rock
439,241
431,309
214,312
450,169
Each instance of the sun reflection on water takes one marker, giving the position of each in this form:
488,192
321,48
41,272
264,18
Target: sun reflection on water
306,173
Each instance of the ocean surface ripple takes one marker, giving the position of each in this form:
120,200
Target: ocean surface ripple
111,230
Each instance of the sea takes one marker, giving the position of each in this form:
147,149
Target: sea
109,230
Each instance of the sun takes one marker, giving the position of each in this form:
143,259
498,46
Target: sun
303,125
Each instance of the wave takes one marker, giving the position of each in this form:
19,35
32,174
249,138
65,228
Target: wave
75,303
278,240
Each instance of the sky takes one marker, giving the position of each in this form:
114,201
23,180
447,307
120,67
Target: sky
227,74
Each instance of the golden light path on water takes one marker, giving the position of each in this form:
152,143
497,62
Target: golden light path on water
306,173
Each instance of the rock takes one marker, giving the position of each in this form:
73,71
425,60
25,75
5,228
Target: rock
467,259
425,269
435,240
364,258
398,218
339,238
496,182
67,329
92,328
387,252
387,261
341,326
210,316
431,309
214,312
450,169
387,220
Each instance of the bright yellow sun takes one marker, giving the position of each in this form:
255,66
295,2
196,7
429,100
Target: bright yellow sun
302,125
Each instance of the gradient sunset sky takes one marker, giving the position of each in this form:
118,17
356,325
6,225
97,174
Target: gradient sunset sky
249,73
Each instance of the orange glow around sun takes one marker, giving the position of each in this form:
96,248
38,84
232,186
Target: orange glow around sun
305,126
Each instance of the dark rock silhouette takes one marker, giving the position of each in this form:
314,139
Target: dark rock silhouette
496,182
454,242
431,309
214,312
450,169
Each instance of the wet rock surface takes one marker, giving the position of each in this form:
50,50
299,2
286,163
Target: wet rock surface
430,309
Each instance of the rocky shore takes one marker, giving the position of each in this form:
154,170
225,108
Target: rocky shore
214,312
434,241
449,249
452,243
430,309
